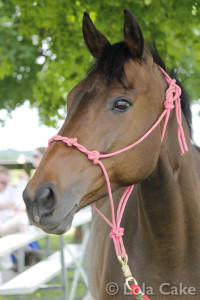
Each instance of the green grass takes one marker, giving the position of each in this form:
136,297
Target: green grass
52,294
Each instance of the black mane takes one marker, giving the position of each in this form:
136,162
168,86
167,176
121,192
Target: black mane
111,65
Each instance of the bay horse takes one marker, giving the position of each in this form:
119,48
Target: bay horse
114,105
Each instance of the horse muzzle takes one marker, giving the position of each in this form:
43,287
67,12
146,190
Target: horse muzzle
44,212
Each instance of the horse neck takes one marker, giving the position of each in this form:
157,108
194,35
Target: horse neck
169,201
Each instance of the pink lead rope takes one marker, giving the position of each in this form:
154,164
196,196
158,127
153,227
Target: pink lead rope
172,96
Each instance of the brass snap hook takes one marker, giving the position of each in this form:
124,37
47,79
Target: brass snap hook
126,270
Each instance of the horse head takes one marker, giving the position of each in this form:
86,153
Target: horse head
113,106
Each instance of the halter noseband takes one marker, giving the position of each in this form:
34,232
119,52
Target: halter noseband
172,96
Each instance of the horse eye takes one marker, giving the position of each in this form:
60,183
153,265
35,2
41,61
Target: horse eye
121,105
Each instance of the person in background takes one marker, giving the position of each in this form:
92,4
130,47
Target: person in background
9,210
13,218
6,193
10,214
38,153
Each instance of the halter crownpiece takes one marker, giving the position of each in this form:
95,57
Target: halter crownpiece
172,96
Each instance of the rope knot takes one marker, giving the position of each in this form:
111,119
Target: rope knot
116,233
169,104
71,142
173,92
94,156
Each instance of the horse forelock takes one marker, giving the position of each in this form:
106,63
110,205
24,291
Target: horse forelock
110,63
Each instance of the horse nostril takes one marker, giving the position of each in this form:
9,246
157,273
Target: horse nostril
46,201
44,194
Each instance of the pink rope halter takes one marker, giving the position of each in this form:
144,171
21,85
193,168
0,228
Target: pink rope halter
172,96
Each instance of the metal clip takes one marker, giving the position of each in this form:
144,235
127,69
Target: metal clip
127,272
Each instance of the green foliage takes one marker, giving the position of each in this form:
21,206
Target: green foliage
42,53
17,60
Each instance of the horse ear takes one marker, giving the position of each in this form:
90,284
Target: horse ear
133,34
94,39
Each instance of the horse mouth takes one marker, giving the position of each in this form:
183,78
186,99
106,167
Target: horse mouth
63,225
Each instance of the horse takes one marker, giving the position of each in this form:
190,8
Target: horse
117,102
